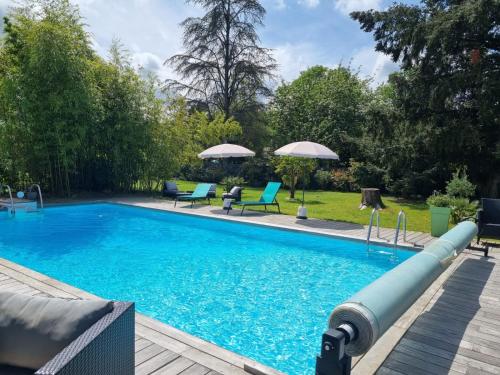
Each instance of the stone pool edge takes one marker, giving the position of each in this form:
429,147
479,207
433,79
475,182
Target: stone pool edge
243,220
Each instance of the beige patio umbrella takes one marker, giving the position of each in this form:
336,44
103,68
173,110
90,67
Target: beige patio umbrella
309,150
226,150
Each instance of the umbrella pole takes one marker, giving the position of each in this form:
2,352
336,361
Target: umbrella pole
304,187
302,211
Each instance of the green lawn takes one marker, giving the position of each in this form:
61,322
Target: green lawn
331,205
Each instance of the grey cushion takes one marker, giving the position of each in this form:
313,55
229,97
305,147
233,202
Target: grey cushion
34,329
171,186
235,190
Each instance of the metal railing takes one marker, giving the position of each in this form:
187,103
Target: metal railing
401,215
12,208
376,213
39,193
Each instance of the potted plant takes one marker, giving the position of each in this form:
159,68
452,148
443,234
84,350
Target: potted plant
440,213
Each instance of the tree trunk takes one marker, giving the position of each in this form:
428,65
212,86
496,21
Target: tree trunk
371,197
293,186
227,61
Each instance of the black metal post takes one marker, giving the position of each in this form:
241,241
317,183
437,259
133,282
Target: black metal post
333,359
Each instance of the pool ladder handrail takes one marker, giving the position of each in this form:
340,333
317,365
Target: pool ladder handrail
12,208
375,212
401,215
39,193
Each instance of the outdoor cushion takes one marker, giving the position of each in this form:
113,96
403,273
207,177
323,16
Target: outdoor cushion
235,190
171,186
34,329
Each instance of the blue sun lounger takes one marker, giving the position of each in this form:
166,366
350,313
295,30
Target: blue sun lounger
268,198
200,193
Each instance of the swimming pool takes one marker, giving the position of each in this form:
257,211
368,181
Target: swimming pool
261,292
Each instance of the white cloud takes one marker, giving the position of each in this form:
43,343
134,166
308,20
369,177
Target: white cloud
309,3
295,58
151,63
283,4
148,29
348,6
373,64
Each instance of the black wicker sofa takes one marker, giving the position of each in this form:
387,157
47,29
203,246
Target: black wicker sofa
104,348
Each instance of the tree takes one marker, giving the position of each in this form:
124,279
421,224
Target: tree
322,105
447,93
69,119
46,91
198,131
292,170
223,66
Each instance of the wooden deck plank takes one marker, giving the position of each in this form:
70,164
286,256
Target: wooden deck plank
196,369
464,357
142,343
147,353
175,367
157,362
434,364
459,330
387,371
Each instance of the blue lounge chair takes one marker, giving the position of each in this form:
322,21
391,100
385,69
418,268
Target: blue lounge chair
200,193
268,198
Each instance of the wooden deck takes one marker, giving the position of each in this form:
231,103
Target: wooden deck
159,349
459,330
317,226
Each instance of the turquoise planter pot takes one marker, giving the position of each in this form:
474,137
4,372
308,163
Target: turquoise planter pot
440,217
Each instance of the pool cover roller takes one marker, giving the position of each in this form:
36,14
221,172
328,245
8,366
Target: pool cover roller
376,307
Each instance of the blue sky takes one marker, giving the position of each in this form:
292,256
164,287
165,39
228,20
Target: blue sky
302,33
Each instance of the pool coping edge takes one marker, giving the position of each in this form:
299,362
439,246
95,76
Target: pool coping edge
241,219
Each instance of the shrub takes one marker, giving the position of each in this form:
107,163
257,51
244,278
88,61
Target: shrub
366,175
411,185
462,209
323,179
231,181
207,172
439,200
257,171
460,186
342,180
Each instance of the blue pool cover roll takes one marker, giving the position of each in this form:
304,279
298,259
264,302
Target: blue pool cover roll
375,308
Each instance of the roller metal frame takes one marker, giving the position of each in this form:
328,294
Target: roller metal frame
333,359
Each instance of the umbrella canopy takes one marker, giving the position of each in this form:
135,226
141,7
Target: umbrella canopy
307,150
226,150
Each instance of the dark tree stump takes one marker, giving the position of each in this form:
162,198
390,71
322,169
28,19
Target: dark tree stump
371,197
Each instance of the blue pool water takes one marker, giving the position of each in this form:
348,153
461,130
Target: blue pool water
261,292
